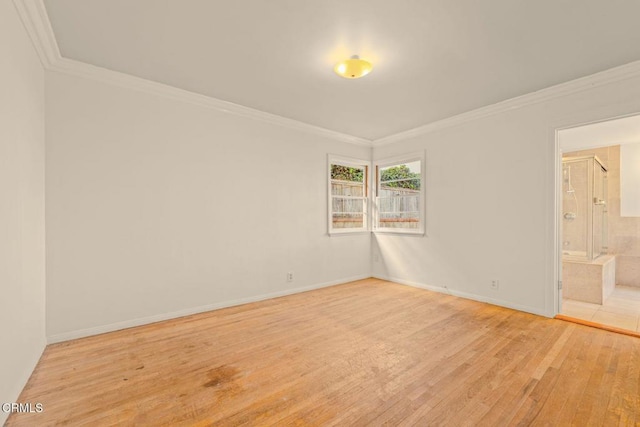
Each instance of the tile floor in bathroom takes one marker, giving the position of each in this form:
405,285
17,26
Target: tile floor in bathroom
621,309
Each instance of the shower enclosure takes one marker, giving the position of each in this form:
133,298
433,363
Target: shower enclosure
584,208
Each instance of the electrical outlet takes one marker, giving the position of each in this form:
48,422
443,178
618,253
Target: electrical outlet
495,284
290,276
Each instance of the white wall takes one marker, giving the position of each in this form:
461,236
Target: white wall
157,208
22,290
490,201
630,180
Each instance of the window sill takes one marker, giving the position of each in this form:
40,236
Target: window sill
419,233
395,232
348,233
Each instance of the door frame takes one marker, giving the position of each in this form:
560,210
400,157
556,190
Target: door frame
557,229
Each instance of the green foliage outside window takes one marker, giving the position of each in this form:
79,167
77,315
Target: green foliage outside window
346,173
411,180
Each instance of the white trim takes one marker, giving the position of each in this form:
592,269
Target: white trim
81,333
601,78
348,232
553,295
347,161
401,231
466,295
416,156
557,224
36,21
554,131
33,14
402,158
366,217
88,71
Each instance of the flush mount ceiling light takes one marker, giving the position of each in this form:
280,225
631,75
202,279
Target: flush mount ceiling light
353,68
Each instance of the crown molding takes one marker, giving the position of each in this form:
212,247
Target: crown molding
605,77
33,14
92,72
36,21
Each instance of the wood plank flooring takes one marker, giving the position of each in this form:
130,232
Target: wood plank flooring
364,353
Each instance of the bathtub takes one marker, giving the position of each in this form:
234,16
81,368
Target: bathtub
589,281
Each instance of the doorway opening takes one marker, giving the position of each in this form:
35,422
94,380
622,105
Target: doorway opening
599,224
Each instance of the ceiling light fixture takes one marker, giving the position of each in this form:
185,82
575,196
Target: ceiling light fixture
353,68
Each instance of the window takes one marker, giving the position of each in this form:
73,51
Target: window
400,195
348,195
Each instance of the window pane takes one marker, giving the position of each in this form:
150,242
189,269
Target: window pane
404,175
347,220
411,184
347,173
346,188
348,213
345,205
347,181
399,194
348,195
399,211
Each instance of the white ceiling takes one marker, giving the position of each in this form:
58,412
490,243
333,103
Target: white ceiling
432,58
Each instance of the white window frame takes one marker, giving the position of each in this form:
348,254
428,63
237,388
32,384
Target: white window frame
366,217
375,185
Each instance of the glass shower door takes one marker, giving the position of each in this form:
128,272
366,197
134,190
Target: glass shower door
599,210
575,200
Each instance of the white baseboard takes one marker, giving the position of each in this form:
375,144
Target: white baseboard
81,333
466,295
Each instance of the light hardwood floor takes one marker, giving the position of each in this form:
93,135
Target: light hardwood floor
363,353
